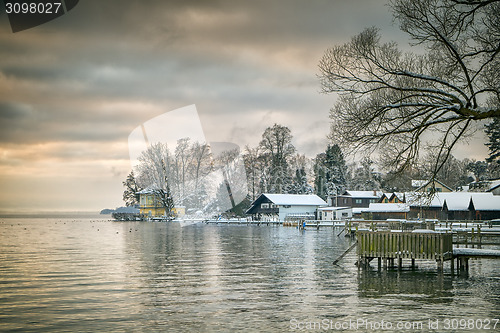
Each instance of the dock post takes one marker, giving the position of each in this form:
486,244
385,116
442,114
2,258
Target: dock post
385,263
462,264
400,263
379,263
472,237
413,263
452,266
391,262
439,265
479,237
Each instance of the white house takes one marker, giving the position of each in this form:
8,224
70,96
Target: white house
282,206
334,213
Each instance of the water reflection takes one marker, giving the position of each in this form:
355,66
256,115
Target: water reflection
86,276
430,287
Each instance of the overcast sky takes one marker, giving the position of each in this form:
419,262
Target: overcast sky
73,89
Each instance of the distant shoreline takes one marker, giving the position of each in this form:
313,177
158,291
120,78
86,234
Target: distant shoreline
56,214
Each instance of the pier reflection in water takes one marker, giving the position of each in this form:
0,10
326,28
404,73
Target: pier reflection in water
82,275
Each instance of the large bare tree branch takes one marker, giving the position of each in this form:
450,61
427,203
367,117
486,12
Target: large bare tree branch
393,101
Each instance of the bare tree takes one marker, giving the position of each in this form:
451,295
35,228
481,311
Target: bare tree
394,101
252,166
155,173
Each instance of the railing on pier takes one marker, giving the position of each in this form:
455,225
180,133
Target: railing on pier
405,245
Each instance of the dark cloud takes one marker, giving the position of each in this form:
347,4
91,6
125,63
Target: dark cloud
79,84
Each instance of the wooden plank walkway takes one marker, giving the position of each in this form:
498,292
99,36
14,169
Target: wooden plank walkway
243,222
464,254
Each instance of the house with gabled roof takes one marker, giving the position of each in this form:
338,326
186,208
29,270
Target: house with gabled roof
487,207
150,205
384,211
494,187
454,206
427,186
283,206
334,213
356,199
395,197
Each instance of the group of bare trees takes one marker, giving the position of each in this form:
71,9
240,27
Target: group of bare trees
190,175
177,175
274,166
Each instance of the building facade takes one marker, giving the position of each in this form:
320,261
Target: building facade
285,206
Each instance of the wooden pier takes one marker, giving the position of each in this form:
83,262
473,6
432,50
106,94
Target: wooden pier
243,222
388,246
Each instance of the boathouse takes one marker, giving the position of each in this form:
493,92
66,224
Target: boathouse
384,211
334,213
282,206
454,206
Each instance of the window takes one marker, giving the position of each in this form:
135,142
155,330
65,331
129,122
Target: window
345,215
286,206
386,200
358,201
396,200
264,205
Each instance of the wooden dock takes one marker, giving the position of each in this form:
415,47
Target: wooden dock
243,222
462,255
388,246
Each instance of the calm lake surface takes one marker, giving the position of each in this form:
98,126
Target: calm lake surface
94,275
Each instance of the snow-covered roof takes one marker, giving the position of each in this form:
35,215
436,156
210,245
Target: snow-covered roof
388,208
333,208
364,194
456,201
295,199
494,184
359,210
491,202
148,190
400,195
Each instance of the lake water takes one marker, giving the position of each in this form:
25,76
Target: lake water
90,275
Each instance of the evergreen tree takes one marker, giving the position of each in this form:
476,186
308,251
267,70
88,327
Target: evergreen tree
130,196
330,172
320,176
493,133
478,168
